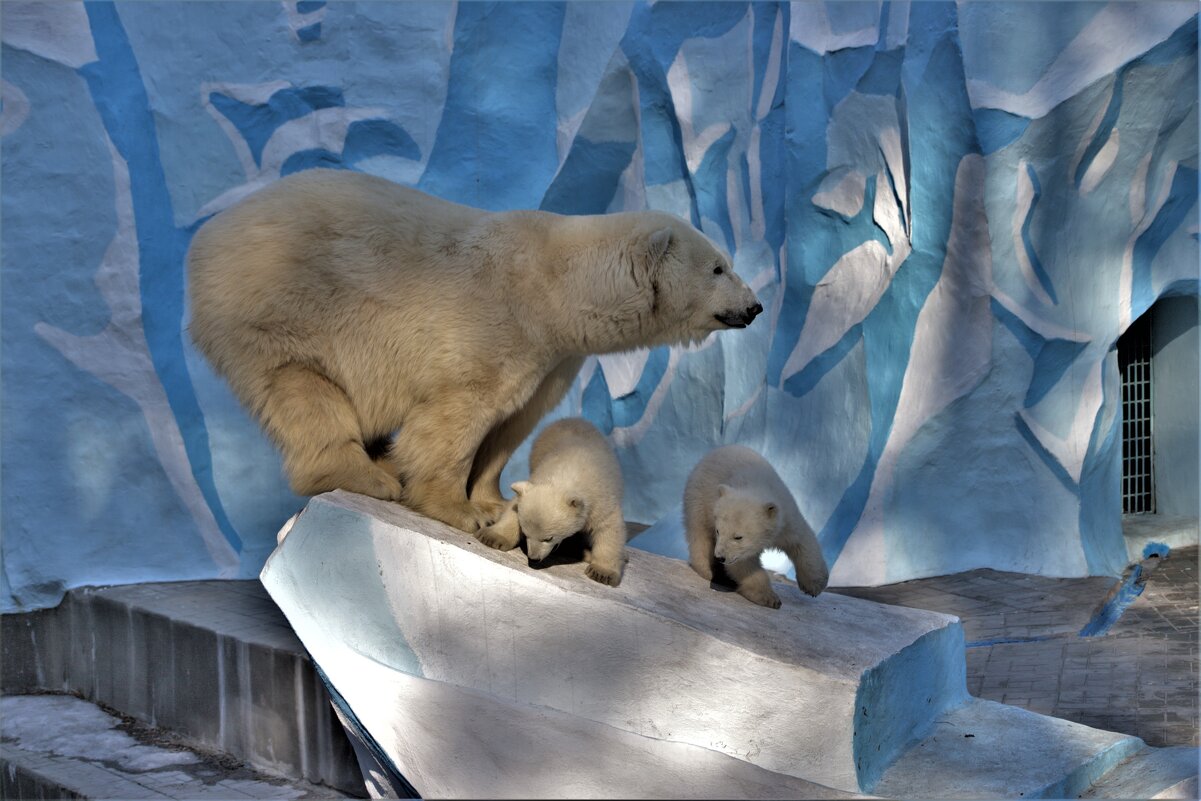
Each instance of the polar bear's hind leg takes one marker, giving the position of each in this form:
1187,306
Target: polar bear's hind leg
316,428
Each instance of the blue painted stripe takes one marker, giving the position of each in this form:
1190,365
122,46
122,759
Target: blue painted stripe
309,33
629,408
834,535
1181,198
1127,591
1045,456
1040,271
119,93
1105,129
812,373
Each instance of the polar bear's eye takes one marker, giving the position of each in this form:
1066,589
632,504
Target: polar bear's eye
717,270
738,537
547,539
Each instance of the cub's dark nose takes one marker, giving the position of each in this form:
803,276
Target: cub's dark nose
721,559
753,312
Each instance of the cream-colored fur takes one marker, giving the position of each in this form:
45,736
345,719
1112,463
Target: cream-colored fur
343,308
735,507
575,485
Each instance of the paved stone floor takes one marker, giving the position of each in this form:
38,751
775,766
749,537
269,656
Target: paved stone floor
1024,648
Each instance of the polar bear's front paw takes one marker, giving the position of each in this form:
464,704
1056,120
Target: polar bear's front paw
490,511
610,576
463,516
764,596
494,538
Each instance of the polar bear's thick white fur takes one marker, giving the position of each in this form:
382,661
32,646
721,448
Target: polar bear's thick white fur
575,486
735,507
346,310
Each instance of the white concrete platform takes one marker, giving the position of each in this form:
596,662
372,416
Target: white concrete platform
475,674
827,690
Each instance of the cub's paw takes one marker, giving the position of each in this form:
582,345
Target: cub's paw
812,585
611,577
493,538
764,597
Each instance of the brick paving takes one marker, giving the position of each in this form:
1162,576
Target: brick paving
1140,678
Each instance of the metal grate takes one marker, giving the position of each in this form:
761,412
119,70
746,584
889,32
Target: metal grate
1138,451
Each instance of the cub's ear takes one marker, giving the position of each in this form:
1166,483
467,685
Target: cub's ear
771,510
657,246
575,502
722,489
519,487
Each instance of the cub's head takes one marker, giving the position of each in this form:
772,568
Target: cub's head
547,516
693,288
746,524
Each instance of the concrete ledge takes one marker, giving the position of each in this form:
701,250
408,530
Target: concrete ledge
57,746
213,661
990,750
826,690
1141,530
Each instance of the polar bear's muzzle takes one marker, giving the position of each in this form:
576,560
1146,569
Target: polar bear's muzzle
739,319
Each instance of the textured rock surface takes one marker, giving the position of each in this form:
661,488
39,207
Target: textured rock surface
949,210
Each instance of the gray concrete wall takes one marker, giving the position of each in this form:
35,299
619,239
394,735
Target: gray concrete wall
1174,339
212,661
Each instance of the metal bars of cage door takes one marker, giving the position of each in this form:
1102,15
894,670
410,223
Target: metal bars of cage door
1138,451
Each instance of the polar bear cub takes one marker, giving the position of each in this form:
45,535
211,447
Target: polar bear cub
735,507
575,485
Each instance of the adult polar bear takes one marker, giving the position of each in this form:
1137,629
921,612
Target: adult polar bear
342,308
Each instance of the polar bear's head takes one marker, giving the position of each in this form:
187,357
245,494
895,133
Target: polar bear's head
694,289
548,515
746,524
640,279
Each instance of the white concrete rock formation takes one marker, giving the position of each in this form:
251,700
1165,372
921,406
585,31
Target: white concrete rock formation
473,675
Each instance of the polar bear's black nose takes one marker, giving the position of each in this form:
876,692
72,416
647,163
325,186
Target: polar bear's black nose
753,312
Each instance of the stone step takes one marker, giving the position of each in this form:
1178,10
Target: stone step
213,661
985,749
1152,773
828,690
58,746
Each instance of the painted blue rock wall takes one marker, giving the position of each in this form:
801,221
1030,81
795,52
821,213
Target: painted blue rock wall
949,211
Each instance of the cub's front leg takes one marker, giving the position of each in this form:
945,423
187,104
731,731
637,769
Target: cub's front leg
607,558
753,582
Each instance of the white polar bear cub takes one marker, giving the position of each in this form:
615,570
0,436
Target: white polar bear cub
735,507
575,485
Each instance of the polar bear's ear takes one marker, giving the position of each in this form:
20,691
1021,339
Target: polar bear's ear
657,246
771,510
721,490
519,487
576,502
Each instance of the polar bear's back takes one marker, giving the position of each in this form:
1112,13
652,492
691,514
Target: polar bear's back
298,228
324,267
735,466
573,453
